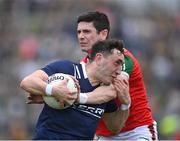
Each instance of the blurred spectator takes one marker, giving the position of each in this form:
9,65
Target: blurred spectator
28,52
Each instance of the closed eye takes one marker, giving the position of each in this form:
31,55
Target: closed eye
119,62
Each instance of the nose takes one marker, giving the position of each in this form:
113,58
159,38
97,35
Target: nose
81,35
118,71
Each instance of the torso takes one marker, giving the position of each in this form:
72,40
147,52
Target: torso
76,122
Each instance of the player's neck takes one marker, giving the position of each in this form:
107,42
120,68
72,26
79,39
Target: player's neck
88,52
91,75
93,81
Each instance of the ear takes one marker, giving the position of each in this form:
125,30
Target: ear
98,58
104,34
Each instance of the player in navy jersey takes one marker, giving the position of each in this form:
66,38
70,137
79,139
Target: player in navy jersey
81,120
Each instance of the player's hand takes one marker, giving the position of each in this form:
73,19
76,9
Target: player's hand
122,87
76,83
62,94
34,99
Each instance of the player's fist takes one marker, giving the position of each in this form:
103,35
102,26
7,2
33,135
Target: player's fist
122,88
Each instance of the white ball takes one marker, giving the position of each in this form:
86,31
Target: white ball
56,79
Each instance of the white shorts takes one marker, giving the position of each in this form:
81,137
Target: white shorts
142,133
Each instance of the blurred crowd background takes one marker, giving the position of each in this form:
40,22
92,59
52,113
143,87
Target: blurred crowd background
36,32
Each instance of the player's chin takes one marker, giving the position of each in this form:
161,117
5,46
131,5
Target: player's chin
84,49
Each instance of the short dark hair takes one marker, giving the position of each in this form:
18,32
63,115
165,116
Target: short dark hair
100,20
105,47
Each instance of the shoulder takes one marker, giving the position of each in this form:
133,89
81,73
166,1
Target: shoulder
130,62
85,59
60,66
60,62
129,55
64,62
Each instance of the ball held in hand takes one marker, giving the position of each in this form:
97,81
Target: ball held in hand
56,79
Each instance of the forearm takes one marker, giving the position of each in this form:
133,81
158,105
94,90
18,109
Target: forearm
118,120
115,121
34,84
100,95
94,98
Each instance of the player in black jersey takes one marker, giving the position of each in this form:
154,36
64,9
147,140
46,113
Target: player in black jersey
80,121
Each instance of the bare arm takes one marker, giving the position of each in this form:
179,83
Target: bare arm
116,120
38,99
36,84
101,95
104,94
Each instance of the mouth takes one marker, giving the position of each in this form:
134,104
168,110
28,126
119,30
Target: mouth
83,44
113,76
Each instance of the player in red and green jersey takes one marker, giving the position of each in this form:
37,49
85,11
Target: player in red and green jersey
140,123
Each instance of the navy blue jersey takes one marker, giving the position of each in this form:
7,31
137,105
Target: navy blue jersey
77,122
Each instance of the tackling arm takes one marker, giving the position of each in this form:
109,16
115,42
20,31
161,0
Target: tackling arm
103,93
116,120
100,95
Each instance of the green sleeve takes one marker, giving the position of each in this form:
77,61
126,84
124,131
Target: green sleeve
128,65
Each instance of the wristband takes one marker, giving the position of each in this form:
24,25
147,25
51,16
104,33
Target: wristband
83,98
48,89
125,107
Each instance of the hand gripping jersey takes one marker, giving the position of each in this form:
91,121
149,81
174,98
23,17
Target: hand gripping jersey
78,122
140,113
